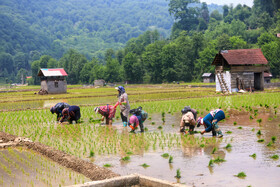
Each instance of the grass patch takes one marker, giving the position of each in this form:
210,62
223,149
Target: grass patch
261,140
178,174
170,160
229,132
219,160
228,146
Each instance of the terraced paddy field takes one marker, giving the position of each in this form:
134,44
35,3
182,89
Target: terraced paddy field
249,147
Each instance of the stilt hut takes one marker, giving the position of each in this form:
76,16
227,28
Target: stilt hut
240,69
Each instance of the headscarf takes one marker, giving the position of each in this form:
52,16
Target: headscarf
199,120
120,89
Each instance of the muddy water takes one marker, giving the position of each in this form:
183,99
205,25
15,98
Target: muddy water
193,161
21,167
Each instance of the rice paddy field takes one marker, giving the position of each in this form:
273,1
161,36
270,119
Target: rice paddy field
247,155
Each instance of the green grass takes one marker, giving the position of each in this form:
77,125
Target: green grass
211,162
229,132
170,160
260,140
219,160
228,146
275,157
126,158
178,174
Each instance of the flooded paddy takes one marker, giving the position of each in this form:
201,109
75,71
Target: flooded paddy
193,161
22,167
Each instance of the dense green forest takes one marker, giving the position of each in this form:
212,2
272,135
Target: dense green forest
67,34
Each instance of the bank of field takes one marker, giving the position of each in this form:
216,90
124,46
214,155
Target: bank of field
126,153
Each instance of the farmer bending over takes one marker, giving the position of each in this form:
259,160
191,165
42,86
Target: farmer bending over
107,111
210,122
138,118
58,109
72,114
188,119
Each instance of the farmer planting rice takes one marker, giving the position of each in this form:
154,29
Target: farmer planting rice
124,104
107,111
210,122
138,118
58,108
71,114
188,119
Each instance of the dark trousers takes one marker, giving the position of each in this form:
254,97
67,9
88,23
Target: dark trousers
124,119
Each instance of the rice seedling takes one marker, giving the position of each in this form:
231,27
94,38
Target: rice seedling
259,133
228,146
234,123
144,165
253,155
170,160
202,145
214,150
165,155
273,139
241,175
219,160
259,121
229,132
91,153
251,117
178,174
260,140
239,127
211,163
107,165
253,129
126,158
275,157
269,144
159,127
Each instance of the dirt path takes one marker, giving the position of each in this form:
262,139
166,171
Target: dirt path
86,168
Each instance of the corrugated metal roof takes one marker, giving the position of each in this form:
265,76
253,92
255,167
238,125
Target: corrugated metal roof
52,72
241,57
206,74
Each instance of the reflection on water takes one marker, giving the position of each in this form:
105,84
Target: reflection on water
193,160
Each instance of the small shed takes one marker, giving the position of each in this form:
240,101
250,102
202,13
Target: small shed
99,82
267,76
240,69
208,77
53,80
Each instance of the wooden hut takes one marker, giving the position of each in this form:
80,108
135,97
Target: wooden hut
240,69
53,80
208,77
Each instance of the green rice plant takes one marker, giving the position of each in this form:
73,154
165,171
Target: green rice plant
129,153
259,121
218,160
239,127
91,153
165,155
107,165
275,157
241,175
159,127
259,133
260,140
170,160
211,163
145,165
178,174
251,117
228,146
273,139
269,144
146,129
214,150
126,158
234,123
229,132
153,123
202,145
253,129
253,155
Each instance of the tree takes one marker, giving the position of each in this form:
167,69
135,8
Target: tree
226,11
205,12
271,51
186,16
216,15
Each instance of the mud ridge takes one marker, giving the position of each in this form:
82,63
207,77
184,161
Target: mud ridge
79,165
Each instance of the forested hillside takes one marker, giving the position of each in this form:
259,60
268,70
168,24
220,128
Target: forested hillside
67,33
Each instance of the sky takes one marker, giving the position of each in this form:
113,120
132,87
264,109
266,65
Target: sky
228,2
